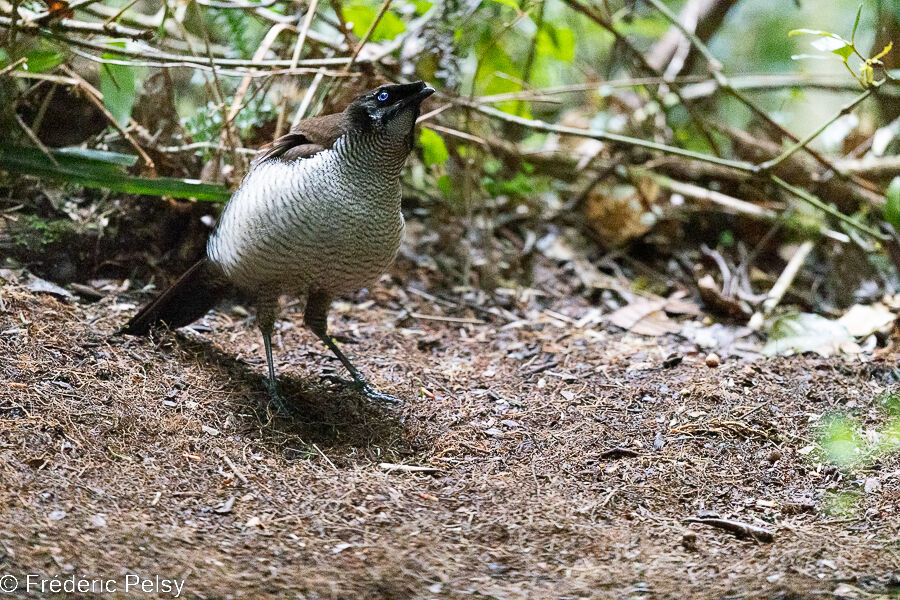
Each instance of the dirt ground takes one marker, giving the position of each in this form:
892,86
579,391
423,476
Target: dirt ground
539,459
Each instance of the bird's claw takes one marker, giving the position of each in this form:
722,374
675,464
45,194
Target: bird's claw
275,398
363,387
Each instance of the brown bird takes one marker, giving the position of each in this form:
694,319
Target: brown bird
318,215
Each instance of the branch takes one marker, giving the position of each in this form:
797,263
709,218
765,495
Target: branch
73,26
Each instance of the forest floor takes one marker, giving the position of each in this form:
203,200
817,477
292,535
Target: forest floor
537,459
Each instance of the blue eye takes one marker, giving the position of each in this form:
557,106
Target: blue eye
382,96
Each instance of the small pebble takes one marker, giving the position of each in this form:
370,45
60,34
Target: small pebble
713,360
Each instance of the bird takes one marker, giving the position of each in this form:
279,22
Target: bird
317,215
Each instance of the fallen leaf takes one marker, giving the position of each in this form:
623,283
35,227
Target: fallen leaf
862,320
805,332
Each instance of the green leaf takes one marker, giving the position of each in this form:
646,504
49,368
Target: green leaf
41,61
855,24
433,146
805,332
844,52
892,206
362,16
117,86
817,32
558,42
104,171
115,158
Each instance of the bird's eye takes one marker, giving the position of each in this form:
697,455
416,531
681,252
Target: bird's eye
382,96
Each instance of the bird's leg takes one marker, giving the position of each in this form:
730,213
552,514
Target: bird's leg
265,319
316,318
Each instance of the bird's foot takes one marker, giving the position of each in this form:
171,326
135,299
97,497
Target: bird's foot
362,386
275,398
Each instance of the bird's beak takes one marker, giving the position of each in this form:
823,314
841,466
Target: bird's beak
417,98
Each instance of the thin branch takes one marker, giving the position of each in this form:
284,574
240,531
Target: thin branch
368,34
809,198
784,281
845,110
71,25
614,138
96,98
34,138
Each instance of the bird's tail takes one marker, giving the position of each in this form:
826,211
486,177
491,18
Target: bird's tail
184,302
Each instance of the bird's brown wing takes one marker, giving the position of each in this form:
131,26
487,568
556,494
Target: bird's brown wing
309,137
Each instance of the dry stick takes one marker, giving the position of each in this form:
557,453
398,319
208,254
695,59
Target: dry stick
695,86
114,18
781,285
42,110
12,66
74,26
34,138
730,203
723,82
813,200
166,57
307,97
882,166
254,73
96,98
301,39
232,466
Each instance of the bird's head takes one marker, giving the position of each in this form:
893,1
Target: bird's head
389,109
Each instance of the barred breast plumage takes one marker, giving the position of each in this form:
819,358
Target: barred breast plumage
330,222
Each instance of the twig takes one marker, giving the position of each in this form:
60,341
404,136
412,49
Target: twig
307,97
604,136
328,460
11,66
731,204
231,465
71,25
738,528
253,73
204,146
34,138
416,315
368,34
781,285
96,98
882,166
119,14
845,110
809,198
407,468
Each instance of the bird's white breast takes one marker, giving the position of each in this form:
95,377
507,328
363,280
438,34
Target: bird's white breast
330,222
